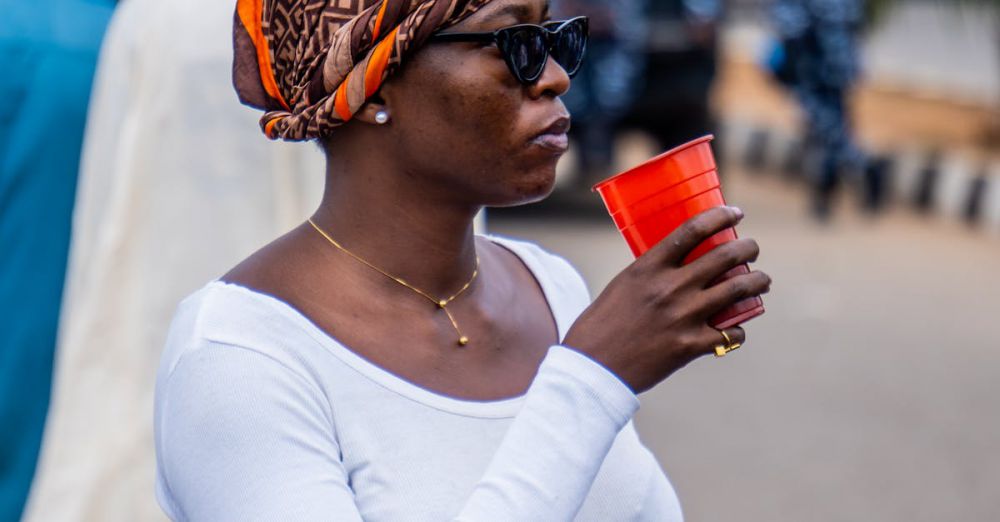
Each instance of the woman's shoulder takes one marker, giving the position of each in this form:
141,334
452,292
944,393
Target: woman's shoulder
220,308
251,304
275,267
230,316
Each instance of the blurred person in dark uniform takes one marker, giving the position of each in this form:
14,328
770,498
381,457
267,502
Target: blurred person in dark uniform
608,80
819,63
680,65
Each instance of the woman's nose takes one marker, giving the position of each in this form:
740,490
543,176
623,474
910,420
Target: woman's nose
553,81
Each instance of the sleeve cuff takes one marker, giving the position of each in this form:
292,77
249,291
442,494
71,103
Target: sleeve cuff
605,387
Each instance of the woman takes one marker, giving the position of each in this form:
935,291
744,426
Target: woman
382,362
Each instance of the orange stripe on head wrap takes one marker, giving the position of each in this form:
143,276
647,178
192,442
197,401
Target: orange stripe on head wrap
340,100
251,14
269,128
378,62
378,20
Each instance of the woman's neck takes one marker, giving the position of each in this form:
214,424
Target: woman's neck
387,219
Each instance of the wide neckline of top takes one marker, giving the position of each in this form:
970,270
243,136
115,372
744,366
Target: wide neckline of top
501,408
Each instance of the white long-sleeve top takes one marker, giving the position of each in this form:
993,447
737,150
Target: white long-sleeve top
260,415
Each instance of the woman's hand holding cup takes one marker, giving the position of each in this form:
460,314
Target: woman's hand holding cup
652,319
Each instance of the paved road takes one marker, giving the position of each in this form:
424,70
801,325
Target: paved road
867,392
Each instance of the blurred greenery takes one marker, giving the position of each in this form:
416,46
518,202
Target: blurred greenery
876,10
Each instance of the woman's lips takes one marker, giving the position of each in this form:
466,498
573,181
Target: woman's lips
554,136
553,142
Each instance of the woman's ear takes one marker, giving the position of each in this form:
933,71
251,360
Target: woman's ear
375,111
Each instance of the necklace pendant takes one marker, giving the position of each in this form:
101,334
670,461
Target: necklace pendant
442,304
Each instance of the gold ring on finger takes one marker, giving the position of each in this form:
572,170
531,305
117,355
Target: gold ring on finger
722,349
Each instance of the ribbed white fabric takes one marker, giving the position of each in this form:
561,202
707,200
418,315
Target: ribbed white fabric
262,416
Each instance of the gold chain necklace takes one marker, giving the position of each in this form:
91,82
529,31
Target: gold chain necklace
440,303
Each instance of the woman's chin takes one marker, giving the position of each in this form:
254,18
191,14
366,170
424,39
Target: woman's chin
528,192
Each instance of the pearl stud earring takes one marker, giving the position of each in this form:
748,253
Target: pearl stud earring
381,117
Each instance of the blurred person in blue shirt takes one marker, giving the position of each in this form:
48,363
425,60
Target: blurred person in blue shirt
174,186
49,50
819,62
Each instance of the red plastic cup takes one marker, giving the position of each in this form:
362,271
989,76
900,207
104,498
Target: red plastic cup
651,200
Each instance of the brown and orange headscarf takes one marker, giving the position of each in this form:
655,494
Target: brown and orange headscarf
312,64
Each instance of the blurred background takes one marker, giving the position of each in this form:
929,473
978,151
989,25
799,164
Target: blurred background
865,392
861,138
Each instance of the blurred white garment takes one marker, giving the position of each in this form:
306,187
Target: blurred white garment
177,184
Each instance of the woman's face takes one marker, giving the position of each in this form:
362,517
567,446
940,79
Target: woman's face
462,122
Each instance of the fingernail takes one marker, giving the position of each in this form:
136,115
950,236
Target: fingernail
738,211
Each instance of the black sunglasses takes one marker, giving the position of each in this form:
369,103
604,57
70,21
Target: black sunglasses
526,47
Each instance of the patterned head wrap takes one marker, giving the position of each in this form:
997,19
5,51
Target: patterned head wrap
312,64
